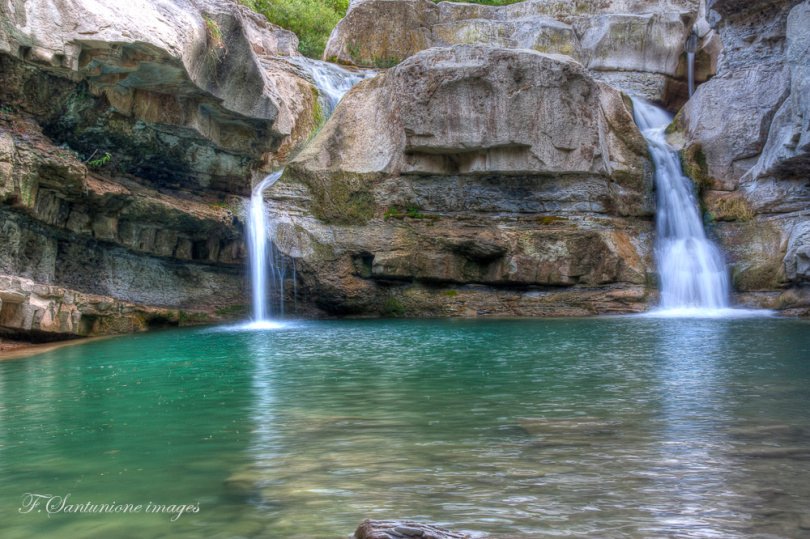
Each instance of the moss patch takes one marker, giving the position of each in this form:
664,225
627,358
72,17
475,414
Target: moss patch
731,209
233,311
694,164
339,198
546,220
393,307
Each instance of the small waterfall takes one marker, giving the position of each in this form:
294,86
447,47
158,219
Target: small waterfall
690,57
691,49
257,248
691,269
331,80
268,273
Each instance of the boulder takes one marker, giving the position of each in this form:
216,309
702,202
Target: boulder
637,45
472,166
403,529
191,92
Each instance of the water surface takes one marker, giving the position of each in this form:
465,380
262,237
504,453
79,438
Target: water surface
613,427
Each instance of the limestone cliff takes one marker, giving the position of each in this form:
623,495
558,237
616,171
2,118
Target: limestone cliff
747,142
472,180
492,167
636,45
128,130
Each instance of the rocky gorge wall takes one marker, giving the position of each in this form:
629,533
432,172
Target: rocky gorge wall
491,168
473,180
745,138
635,45
130,134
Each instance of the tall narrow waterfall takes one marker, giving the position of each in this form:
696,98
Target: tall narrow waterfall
257,247
691,49
267,272
690,60
692,272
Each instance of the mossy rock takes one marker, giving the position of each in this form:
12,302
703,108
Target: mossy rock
338,198
694,164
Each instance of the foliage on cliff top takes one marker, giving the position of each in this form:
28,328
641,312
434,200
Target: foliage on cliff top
313,20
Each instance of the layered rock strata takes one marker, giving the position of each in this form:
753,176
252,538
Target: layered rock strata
472,180
635,45
746,142
129,133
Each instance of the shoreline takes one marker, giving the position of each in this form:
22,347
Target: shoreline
10,349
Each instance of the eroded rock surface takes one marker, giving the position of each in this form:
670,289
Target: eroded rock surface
128,132
635,45
472,180
746,143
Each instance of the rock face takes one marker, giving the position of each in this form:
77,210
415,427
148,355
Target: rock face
472,180
746,140
636,45
128,132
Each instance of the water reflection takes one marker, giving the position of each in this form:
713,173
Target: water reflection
627,428
691,475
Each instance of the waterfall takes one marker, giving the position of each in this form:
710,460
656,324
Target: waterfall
257,248
692,272
691,48
267,270
690,60
331,80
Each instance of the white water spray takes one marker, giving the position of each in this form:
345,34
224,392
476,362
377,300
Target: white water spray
257,247
331,80
267,269
692,272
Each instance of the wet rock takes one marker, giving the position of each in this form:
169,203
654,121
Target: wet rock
748,154
393,529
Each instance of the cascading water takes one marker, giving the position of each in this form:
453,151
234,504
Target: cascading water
331,80
691,48
692,272
267,270
257,247
690,57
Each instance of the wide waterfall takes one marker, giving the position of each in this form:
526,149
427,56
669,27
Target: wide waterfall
692,272
267,271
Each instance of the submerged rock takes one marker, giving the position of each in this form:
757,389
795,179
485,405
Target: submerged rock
396,529
472,165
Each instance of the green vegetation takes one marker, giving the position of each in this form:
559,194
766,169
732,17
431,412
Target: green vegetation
214,32
412,212
340,199
550,219
393,307
233,311
100,161
313,20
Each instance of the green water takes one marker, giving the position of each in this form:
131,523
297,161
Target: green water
621,427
